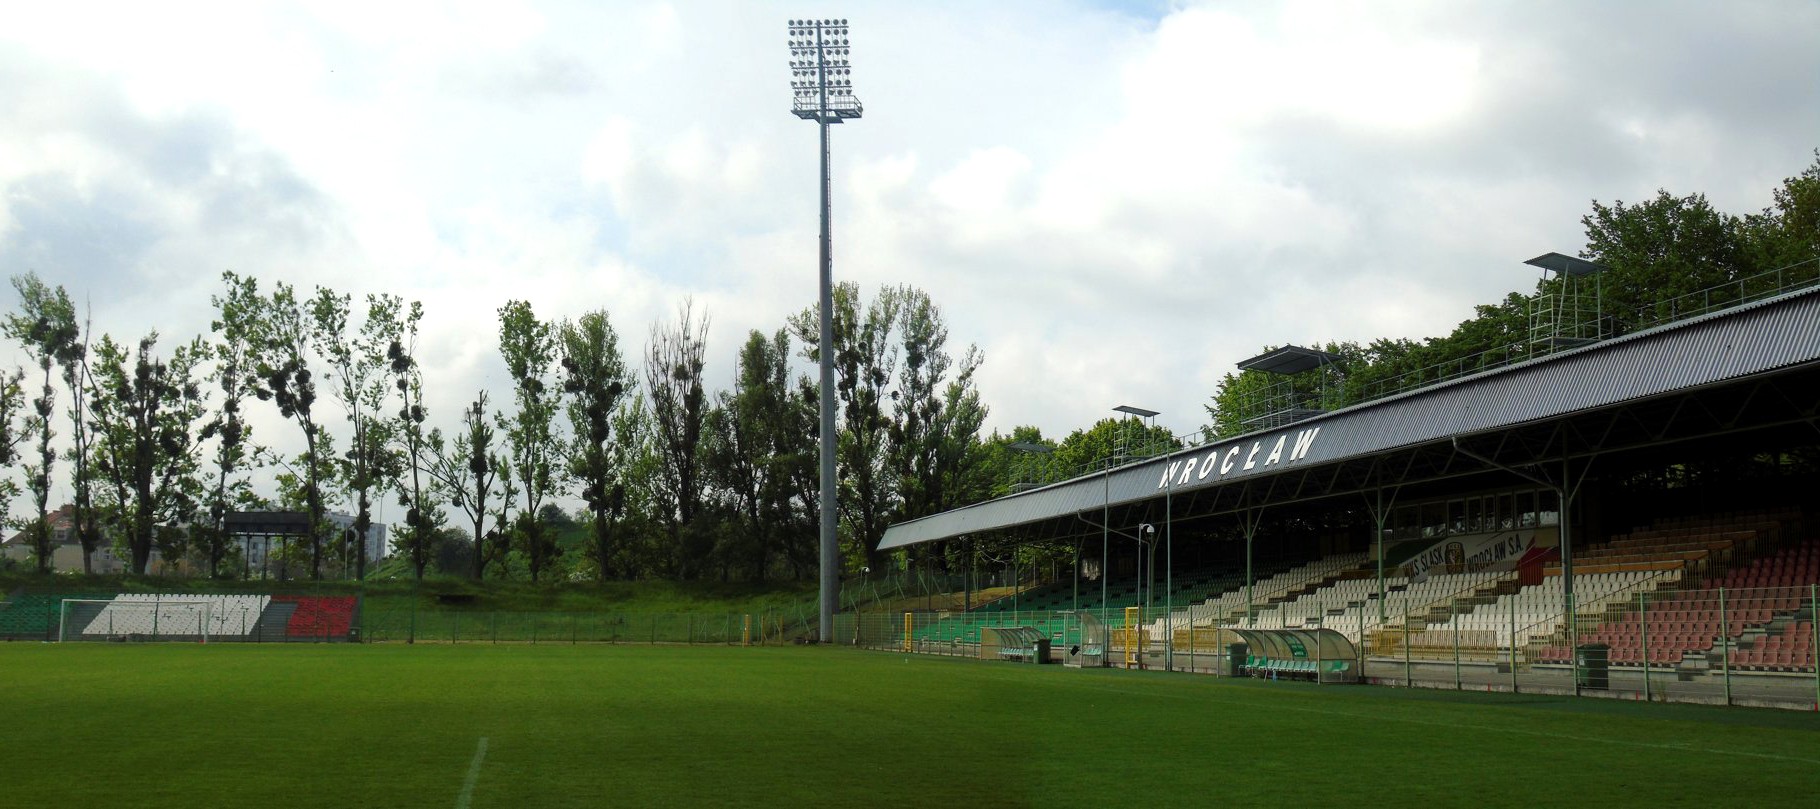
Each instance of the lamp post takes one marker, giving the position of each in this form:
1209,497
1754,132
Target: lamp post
1146,568
1106,517
823,92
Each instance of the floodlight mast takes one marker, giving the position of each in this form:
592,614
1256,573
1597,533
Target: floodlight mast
822,91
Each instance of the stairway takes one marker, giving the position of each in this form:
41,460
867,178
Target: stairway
272,623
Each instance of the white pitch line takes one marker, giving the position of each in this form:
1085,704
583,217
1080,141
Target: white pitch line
467,786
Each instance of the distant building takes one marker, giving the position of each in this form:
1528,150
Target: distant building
376,542
66,549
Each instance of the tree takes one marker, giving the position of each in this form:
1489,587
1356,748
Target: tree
529,348
865,361
281,364
1091,450
596,380
468,472
45,327
418,495
82,516
934,438
146,410
357,373
757,451
1006,469
497,544
12,401
673,375
1783,241
1658,251
452,550
236,328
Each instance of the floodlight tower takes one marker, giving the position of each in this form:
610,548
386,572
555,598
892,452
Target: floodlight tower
822,92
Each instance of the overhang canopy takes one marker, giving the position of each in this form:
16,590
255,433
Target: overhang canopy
1565,264
1758,338
1289,360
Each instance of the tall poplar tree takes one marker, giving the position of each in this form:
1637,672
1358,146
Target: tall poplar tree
45,326
596,381
529,348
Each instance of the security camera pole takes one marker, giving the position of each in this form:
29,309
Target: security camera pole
823,92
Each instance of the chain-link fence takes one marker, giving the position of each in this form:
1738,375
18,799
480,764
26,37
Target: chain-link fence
493,626
1639,636
316,612
157,611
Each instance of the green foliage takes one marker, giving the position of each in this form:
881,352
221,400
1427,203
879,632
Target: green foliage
468,469
596,381
281,356
1659,251
419,491
761,456
12,402
45,326
934,437
235,326
358,364
1111,442
146,417
674,362
909,417
1667,257
529,348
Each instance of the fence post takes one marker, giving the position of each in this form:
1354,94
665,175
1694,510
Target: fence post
1409,680
1456,644
1725,639
455,632
1513,648
1643,626
1813,619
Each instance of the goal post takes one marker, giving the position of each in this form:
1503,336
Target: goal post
105,619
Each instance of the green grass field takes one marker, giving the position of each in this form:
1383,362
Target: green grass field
399,726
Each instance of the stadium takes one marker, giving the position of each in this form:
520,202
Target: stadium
1568,554
1421,537
1604,519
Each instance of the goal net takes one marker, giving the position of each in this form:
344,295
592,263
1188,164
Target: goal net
134,620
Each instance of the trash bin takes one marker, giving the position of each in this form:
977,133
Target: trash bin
1235,659
1592,666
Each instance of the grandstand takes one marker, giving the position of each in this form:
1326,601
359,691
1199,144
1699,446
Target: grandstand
254,618
1634,506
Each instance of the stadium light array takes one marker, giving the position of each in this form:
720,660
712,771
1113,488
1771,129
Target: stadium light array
821,77
821,87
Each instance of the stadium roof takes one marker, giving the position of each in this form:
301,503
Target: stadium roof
1753,339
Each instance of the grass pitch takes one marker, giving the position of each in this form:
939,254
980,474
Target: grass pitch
401,726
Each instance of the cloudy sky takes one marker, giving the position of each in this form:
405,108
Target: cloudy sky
1116,201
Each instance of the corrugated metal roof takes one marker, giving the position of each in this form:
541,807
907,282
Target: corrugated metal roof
1755,338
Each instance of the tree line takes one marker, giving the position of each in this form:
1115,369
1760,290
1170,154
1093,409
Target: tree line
155,445
1666,257
675,481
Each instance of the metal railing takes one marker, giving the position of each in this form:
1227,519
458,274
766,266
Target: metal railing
1645,641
